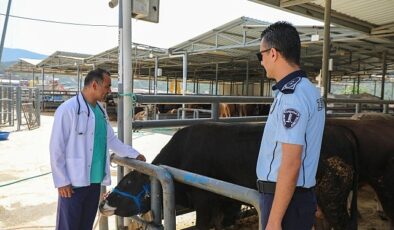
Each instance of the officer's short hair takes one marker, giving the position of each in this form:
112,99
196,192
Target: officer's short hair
283,36
96,75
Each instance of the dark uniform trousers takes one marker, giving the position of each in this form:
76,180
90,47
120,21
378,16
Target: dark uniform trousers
300,214
79,211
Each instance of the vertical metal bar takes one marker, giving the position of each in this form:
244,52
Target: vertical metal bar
149,81
326,46
127,70
1,104
392,91
42,90
176,86
354,86
215,111
198,87
385,108
184,82
79,79
358,78
384,70
33,78
103,223
119,221
53,87
358,107
10,106
37,105
247,78
156,74
168,83
18,108
374,88
156,200
5,28
216,78
30,100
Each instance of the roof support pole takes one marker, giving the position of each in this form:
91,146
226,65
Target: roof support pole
42,92
156,74
5,28
358,77
127,74
184,82
384,70
216,78
120,169
326,46
247,79
149,81
79,79
33,77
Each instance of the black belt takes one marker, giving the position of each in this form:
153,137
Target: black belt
269,187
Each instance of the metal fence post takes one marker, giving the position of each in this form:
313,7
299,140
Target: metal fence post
31,101
1,104
358,107
10,107
18,107
215,111
386,108
37,105
156,201
103,221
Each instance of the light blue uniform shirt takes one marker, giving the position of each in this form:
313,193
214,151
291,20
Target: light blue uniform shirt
297,116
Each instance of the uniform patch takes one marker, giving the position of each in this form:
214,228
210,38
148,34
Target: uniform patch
290,86
320,104
290,118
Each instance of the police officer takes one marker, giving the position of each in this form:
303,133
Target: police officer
290,148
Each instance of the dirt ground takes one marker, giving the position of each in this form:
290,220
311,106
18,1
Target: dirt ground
31,203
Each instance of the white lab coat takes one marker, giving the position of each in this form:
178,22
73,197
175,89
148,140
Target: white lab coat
71,145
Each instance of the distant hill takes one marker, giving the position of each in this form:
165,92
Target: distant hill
11,55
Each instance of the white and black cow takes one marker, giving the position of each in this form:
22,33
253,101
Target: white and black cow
229,152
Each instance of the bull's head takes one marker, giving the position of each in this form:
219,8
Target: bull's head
130,197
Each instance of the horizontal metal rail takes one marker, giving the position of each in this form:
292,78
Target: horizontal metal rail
176,99
223,188
166,181
177,123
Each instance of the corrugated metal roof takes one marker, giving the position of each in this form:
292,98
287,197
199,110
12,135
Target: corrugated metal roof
377,12
24,65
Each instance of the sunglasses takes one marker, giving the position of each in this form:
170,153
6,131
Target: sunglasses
260,54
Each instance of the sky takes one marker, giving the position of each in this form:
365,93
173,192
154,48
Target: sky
179,21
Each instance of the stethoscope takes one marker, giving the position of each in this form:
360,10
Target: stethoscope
87,120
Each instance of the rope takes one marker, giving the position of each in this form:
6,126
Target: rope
133,102
17,181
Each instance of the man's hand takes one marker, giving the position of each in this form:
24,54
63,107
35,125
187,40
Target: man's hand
141,158
65,191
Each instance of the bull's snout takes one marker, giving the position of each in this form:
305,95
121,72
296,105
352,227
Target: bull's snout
105,209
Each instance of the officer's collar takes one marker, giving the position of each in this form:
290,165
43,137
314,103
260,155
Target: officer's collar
288,84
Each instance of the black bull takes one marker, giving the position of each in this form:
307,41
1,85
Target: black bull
229,153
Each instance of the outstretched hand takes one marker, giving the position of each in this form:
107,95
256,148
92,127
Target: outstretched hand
141,158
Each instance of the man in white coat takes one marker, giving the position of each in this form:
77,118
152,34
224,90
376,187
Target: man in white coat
81,137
